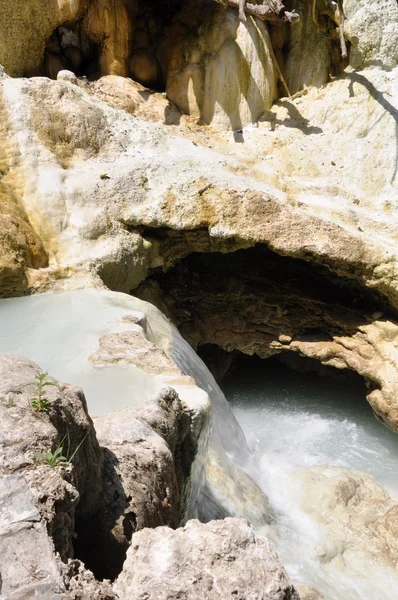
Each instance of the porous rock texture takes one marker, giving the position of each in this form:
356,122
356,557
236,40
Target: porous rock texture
372,33
359,519
39,503
307,592
148,457
218,559
140,477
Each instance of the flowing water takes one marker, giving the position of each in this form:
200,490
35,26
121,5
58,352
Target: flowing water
290,421
300,420
59,331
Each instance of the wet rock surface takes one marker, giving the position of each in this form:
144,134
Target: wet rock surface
359,517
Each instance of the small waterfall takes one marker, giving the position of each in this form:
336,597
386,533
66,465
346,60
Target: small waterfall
59,331
221,485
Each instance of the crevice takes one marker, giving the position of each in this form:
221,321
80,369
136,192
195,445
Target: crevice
101,541
145,483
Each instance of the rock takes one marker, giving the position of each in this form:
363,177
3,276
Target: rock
359,519
307,592
144,67
134,98
109,24
38,502
220,559
229,491
25,28
67,76
145,215
133,347
21,247
148,457
39,432
309,57
222,73
373,32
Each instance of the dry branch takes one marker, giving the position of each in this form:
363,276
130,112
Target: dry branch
341,29
270,10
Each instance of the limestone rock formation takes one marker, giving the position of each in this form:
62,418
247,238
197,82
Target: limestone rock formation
307,592
359,520
133,347
25,27
148,457
39,503
228,75
21,248
92,505
130,212
135,99
221,558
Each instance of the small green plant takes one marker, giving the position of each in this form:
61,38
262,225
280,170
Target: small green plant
104,176
40,403
11,402
62,456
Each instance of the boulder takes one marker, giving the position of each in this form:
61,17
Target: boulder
42,494
218,559
148,455
65,75
359,520
307,592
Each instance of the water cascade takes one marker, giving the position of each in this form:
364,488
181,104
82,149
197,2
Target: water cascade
288,427
35,327
295,422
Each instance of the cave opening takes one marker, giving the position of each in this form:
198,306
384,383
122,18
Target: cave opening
299,413
251,314
150,42
254,300
70,48
82,46
308,427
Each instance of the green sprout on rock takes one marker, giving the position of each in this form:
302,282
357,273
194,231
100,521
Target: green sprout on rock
62,456
40,402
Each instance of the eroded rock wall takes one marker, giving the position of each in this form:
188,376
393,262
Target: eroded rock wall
40,501
222,72
60,492
25,27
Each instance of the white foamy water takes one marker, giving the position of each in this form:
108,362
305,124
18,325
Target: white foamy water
293,421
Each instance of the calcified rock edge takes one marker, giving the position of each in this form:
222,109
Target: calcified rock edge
277,237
